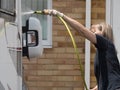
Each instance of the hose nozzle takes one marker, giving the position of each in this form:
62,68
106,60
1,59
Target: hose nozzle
46,12
38,12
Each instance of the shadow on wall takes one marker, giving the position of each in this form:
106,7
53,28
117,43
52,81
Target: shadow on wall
1,86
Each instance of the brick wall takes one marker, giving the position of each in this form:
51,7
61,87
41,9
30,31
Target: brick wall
58,68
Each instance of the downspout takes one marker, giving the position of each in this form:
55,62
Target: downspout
87,44
108,11
19,26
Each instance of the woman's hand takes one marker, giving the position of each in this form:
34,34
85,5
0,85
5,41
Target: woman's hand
52,12
95,88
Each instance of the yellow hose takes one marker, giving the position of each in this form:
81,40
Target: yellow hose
76,51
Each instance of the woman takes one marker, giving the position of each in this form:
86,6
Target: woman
107,67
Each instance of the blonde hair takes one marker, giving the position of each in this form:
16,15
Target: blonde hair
107,31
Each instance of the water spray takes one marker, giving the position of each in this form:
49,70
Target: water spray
73,42
27,13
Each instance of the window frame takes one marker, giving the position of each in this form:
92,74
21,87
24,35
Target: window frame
46,23
48,43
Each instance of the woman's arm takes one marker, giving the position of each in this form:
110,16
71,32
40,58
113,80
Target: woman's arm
83,31
95,88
